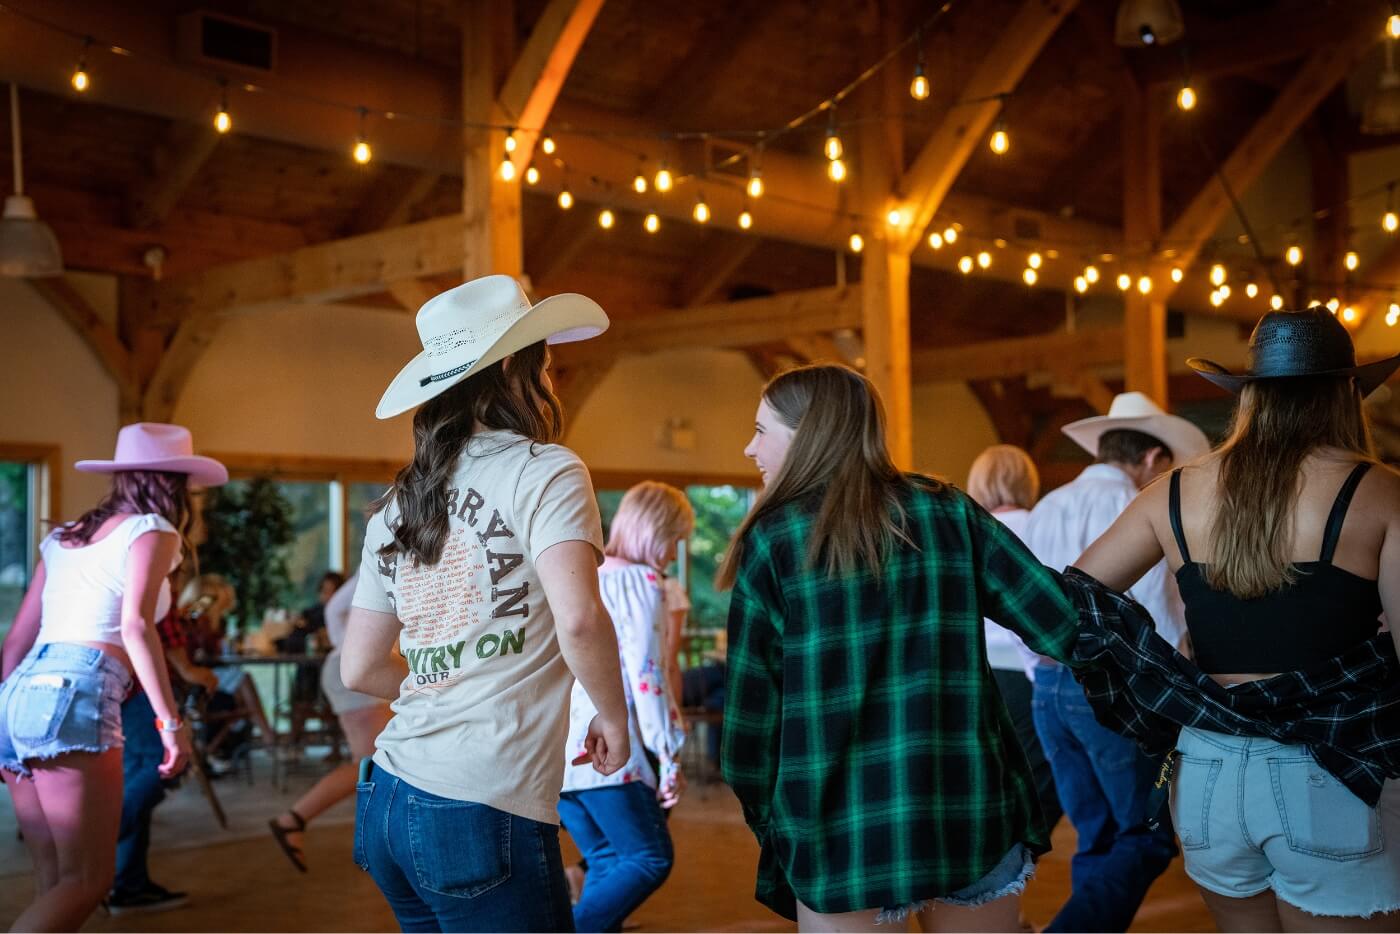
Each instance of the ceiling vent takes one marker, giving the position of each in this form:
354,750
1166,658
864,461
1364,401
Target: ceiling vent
224,42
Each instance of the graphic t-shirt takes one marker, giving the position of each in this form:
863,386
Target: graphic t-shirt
484,709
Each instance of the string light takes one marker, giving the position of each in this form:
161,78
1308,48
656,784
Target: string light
1125,282
1000,142
510,140
832,146
1081,284
606,219
935,240
1351,260
1186,97
1333,304
1217,275
1251,290
1276,302
663,180
1034,260
984,259
965,265
745,219
1294,255
1349,314
1028,275
1216,299
1177,274
836,170
1392,26
362,152
1390,221
701,213
222,121
532,176
1091,274
1144,284
566,200
507,169
1392,315
918,86
547,145
639,183
1224,291
894,217
80,78
652,223
857,243
950,235
755,186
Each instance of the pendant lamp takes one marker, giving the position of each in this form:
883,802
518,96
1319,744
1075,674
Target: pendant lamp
28,247
1148,22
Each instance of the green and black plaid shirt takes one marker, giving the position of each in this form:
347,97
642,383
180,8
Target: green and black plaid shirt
863,732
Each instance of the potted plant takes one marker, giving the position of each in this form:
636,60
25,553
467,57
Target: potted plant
248,527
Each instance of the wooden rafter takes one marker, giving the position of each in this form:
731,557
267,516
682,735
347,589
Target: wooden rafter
102,340
556,252
192,338
1017,356
389,203
186,148
410,293
723,256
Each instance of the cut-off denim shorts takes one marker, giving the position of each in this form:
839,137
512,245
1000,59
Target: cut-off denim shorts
1255,815
62,698
1008,877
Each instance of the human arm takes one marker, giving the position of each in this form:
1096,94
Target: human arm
25,628
178,657
148,563
644,663
677,609
568,572
368,662
1389,577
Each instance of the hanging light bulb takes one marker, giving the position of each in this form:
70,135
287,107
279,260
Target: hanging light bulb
832,145
1081,284
701,213
1186,97
1351,260
950,235
639,183
222,121
1294,255
1349,314
1091,274
532,176
80,78
984,259
1217,274
1392,26
566,200
1333,304
1224,291
606,219
507,170
755,186
547,145
745,219
1390,222
1216,299
935,240
663,180
362,152
1125,282
1029,275
1177,274
1144,284
836,170
918,88
1034,260
857,243
1251,290
652,223
1000,141
965,265
510,140
1392,314
1276,302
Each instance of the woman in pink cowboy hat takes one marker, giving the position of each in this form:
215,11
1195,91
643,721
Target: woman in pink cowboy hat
85,628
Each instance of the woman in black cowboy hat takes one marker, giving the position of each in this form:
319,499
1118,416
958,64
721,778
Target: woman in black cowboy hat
1285,542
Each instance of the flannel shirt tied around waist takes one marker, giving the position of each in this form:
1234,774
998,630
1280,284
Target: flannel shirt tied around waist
1345,710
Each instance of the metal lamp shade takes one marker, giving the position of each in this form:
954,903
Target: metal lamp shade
28,247
1148,22
1382,113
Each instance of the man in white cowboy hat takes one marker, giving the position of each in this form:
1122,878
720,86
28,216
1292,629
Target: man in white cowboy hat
1102,778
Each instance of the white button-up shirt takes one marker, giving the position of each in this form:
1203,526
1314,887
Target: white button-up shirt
1067,521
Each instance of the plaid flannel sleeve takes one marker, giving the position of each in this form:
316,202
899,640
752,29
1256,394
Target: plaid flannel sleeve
1019,592
753,693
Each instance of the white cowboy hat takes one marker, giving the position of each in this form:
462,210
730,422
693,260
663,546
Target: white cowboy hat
468,328
1136,411
157,446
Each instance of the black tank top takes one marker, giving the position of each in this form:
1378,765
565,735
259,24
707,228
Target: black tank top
1324,613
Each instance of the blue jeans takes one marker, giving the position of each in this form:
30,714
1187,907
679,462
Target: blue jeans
1103,782
446,865
142,790
621,832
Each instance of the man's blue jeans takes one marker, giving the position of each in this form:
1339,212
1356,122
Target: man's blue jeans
446,865
142,790
1103,781
621,832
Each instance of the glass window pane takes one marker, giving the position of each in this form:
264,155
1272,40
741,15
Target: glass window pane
718,512
17,543
308,557
608,501
358,496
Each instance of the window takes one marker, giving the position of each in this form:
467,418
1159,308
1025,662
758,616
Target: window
26,474
358,496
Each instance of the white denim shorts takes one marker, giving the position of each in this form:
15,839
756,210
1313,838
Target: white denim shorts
1255,815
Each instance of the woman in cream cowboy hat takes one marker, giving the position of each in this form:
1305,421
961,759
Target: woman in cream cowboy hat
480,563
86,626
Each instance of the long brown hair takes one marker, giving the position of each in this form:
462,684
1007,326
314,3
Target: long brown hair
513,398
135,492
1277,423
837,452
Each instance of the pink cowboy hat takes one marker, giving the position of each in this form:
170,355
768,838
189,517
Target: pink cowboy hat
154,446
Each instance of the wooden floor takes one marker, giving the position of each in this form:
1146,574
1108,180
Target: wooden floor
245,884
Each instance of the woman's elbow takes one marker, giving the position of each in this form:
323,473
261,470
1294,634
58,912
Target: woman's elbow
585,623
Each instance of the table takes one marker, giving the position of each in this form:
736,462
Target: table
277,663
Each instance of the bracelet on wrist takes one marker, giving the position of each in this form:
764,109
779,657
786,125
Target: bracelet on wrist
170,726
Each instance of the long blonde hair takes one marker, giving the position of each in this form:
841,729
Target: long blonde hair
650,519
1003,475
837,452
1277,423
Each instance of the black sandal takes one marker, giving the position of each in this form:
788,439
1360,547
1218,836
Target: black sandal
279,833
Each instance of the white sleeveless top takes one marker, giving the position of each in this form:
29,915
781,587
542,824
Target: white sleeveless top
83,587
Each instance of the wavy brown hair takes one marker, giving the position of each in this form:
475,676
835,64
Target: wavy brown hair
1277,424
509,395
837,453
135,492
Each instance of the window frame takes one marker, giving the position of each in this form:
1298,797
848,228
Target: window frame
47,459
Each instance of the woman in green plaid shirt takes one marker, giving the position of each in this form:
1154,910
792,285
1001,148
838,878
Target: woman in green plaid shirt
863,732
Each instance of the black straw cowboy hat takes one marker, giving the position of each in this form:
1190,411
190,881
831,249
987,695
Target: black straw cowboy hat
1299,343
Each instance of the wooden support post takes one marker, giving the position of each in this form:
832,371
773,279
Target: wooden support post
490,204
1144,316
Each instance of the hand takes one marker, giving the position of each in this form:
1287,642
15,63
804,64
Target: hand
206,679
177,752
672,785
607,746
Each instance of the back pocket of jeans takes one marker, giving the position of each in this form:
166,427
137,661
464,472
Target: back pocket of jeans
459,848
1321,816
363,791
40,706
1191,796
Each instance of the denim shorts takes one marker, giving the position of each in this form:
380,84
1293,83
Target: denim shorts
62,698
1255,815
1008,877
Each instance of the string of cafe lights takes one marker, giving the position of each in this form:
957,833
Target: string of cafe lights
664,180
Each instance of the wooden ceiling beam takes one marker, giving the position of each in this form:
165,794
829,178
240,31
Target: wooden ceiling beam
104,342
390,202
556,253
178,160
1001,68
702,281
1017,356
